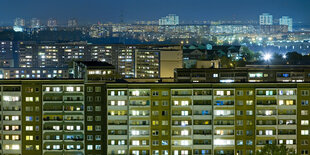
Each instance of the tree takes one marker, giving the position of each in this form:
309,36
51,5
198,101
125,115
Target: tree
225,43
236,42
277,59
273,149
247,54
246,40
214,39
293,58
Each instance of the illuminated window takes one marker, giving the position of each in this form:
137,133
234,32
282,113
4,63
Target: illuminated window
29,128
304,112
175,102
15,137
15,147
184,123
219,93
29,99
97,147
184,103
268,112
135,132
29,118
223,142
135,93
304,122
281,102
155,122
184,142
56,89
135,142
269,92
184,113
29,137
289,142
184,132
15,118
304,132
164,142
89,128
249,102
69,89
249,112
269,132
121,103
164,123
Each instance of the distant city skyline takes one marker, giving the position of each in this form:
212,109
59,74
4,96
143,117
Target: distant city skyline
141,10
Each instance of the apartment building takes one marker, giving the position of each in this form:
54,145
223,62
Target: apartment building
65,117
44,117
206,118
250,73
33,73
131,61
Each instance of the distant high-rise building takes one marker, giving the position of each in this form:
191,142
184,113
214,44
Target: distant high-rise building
286,20
171,19
72,23
52,22
19,22
35,23
265,19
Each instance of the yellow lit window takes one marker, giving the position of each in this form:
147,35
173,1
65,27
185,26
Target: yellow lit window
89,128
155,122
29,137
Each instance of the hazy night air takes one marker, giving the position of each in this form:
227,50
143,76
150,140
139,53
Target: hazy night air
89,11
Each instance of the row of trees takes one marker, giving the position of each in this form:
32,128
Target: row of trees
273,149
250,57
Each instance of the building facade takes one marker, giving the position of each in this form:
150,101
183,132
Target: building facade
249,74
65,117
265,19
131,61
201,119
285,20
171,19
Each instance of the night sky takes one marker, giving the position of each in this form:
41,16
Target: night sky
87,11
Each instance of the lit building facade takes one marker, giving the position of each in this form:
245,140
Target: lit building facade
251,74
75,117
201,119
35,23
19,22
52,22
72,23
265,19
171,19
285,20
131,61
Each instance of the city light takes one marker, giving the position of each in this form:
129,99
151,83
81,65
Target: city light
267,56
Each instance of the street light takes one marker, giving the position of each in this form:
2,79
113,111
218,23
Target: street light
267,56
